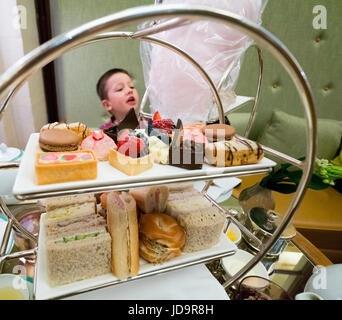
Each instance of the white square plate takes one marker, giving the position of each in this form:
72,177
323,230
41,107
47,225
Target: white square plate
43,291
25,183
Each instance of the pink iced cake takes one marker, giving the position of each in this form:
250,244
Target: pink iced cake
99,143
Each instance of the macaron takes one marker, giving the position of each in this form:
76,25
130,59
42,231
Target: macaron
218,132
56,140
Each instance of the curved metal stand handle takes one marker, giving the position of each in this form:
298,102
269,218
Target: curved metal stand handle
256,99
52,49
5,103
16,224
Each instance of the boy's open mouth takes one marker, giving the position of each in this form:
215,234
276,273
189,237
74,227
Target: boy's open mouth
131,100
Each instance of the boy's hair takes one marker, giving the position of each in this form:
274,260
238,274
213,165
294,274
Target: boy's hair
101,83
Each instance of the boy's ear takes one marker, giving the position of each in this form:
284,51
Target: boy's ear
106,104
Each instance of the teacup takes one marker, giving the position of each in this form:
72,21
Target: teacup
14,287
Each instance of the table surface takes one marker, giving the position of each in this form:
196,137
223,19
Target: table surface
290,270
319,209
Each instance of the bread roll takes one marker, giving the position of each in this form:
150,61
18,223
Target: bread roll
161,237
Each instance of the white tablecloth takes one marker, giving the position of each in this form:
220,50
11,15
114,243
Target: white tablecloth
191,283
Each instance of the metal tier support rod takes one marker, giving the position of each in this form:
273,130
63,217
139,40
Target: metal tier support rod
126,186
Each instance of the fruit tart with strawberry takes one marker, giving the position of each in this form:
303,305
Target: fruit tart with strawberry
131,155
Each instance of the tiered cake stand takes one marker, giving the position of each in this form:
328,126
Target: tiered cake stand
103,29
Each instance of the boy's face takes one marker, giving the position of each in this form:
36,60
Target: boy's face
121,95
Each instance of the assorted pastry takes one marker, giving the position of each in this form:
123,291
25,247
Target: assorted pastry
70,152
152,224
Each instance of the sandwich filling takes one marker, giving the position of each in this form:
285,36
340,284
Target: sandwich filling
79,237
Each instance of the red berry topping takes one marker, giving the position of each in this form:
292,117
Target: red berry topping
123,137
122,142
164,124
157,116
97,135
131,146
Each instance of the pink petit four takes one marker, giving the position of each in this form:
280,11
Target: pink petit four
99,143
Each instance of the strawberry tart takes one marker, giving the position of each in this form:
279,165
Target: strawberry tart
131,155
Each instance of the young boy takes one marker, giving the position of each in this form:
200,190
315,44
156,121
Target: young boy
117,94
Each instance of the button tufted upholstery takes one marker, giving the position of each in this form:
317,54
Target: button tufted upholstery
319,53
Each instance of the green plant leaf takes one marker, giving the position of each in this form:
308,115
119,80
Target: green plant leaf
295,176
283,187
316,183
284,180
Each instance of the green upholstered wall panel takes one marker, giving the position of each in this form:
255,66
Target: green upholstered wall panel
78,70
319,52
289,20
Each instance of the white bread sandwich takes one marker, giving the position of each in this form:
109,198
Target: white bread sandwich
65,201
161,237
122,222
151,199
63,212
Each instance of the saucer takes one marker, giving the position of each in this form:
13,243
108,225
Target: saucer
232,264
